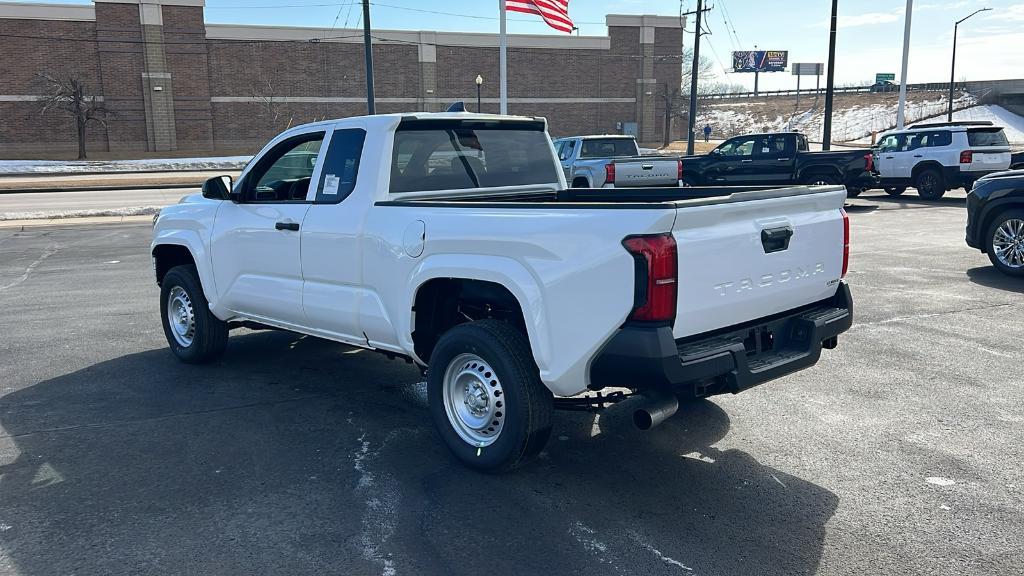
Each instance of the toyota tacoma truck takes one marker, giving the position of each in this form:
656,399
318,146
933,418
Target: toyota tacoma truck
611,161
451,240
778,159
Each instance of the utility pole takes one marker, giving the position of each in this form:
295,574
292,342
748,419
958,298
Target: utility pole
693,80
371,108
952,66
826,138
903,73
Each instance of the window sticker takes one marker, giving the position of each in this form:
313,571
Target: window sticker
331,184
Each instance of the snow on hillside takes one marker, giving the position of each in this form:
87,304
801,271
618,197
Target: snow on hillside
852,118
1013,125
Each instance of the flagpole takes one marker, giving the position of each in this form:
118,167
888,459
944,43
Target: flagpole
503,60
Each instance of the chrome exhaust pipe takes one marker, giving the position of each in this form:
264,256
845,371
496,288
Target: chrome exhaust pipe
655,409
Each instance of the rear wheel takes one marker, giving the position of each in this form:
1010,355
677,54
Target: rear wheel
853,192
929,184
896,190
1005,242
820,180
688,181
580,183
486,398
193,333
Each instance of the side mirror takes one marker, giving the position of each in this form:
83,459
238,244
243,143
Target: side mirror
218,188
716,151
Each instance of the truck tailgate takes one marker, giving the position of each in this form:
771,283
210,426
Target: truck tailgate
749,259
648,171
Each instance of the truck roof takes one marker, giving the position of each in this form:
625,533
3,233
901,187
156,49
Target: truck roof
389,119
601,136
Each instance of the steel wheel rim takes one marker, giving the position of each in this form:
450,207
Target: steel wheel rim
928,184
181,316
1008,243
474,400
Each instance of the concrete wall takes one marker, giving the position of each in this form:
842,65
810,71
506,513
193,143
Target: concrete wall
177,84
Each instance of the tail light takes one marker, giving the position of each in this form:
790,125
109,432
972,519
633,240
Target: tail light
869,162
609,173
966,157
654,297
679,169
846,242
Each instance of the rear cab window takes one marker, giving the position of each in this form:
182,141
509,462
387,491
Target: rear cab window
431,155
987,137
609,148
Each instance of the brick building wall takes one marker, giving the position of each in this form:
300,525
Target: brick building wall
178,84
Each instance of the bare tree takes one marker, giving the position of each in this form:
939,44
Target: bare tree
676,100
271,109
67,94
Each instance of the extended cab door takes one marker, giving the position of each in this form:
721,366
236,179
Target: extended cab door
774,158
255,242
732,162
567,156
331,238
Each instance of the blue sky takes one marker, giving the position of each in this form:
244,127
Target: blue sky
990,45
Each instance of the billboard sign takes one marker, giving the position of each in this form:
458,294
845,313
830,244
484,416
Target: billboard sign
760,61
885,77
805,69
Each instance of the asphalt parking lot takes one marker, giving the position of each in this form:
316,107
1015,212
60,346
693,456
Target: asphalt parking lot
899,453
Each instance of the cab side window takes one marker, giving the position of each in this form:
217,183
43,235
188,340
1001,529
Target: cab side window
739,147
341,166
283,173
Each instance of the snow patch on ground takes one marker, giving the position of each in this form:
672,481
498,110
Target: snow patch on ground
51,214
1013,125
106,166
940,481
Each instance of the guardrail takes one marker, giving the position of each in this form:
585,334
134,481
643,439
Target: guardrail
927,87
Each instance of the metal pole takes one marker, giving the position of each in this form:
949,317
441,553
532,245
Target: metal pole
952,72
826,137
371,108
693,80
756,74
503,61
478,110
903,73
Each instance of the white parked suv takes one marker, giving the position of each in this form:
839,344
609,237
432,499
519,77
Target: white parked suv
452,240
938,157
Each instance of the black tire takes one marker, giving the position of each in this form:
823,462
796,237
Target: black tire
853,192
527,403
896,191
1000,219
688,181
580,183
930,184
210,334
820,180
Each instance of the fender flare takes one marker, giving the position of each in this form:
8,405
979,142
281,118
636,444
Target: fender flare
501,270
190,240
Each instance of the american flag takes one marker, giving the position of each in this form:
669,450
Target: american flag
554,12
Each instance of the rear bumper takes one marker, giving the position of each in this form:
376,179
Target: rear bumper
728,360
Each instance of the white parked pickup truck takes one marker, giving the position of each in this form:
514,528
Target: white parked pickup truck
611,161
452,240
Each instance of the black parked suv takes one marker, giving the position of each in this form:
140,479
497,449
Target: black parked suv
995,220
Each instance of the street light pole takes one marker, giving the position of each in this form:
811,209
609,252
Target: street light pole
952,66
826,130
479,83
371,107
900,118
693,82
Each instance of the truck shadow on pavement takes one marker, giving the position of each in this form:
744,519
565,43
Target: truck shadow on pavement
298,456
992,278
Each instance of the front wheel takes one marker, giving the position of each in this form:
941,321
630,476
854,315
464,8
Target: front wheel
193,333
930,185
486,398
896,190
820,180
1005,243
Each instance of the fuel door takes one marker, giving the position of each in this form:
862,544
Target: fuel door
412,240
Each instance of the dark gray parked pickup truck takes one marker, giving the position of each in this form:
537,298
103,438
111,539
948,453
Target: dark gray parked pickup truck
780,159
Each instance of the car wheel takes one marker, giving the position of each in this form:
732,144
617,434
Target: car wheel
853,192
580,183
193,333
688,182
486,398
929,184
896,191
819,180
1005,242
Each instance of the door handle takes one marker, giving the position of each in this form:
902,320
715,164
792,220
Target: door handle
293,226
745,161
647,166
888,157
783,159
918,156
776,239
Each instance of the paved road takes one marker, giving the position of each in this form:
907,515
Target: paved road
13,206
899,453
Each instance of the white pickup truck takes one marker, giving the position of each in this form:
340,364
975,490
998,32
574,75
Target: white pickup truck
452,240
614,161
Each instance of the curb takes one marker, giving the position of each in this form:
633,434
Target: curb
99,188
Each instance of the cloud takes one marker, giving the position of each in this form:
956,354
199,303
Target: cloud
943,6
1014,13
865,19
